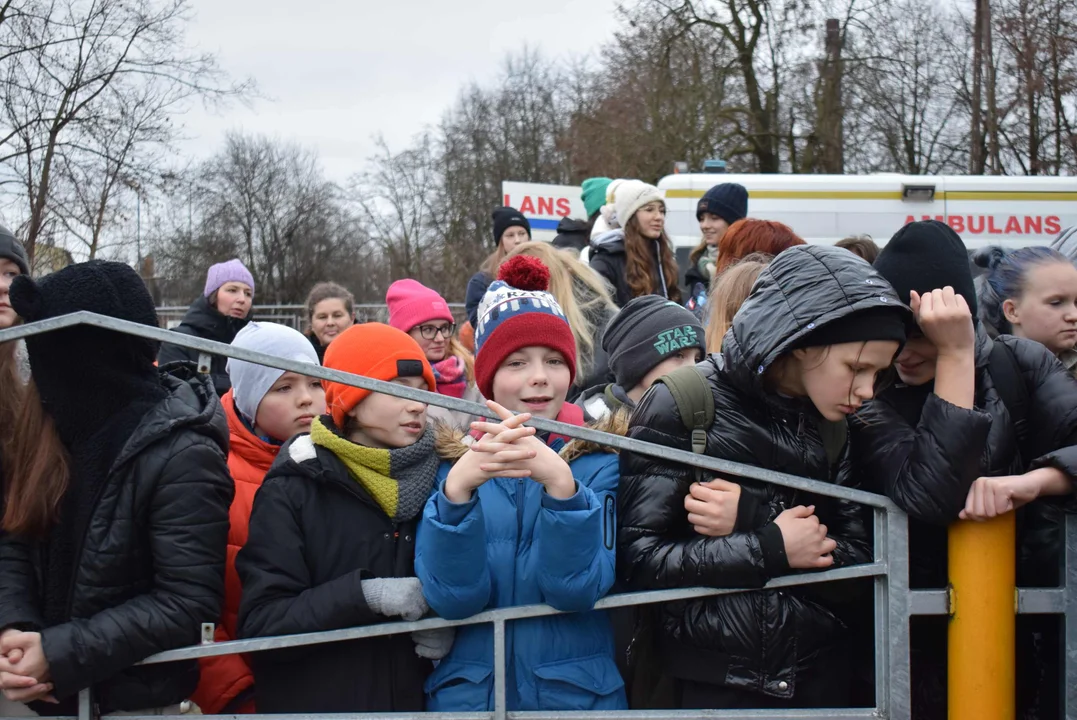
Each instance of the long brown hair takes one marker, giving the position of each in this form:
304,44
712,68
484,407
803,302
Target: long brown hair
11,392
639,262
728,292
39,470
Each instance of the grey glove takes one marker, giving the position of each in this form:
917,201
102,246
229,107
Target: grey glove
433,644
396,597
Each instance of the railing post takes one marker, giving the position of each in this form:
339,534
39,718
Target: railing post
897,687
982,627
86,704
881,612
1069,620
500,670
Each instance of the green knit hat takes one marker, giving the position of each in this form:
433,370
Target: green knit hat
594,194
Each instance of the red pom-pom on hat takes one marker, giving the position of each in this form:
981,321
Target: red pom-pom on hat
524,272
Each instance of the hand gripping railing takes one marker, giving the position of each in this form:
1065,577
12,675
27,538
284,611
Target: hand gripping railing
894,603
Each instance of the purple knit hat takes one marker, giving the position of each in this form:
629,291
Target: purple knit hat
226,272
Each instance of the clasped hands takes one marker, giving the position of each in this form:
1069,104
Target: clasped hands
24,670
508,449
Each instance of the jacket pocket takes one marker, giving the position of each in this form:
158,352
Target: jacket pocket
459,687
589,683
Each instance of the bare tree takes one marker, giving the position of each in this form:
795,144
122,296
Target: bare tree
393,196
75,54
664,93
269,204
906,60
1037,68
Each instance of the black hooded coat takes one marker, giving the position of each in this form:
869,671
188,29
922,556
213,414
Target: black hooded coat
204,321
762,642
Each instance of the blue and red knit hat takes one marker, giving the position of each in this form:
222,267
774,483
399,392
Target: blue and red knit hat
517,312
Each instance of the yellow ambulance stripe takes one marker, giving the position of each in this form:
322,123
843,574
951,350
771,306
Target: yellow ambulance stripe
1025,196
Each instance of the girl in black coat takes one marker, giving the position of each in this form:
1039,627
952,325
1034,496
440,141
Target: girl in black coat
636,256
117,507
223,310
804,352
945,444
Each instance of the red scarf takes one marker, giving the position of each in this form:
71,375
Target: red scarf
451,377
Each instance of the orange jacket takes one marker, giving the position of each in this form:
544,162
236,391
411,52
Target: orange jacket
226,677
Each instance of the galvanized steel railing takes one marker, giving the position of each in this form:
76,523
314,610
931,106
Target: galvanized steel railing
894,602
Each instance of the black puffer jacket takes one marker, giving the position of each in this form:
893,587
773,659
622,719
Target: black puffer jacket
315,535
925,453
572,235
202,320
150,568
609,260
755,641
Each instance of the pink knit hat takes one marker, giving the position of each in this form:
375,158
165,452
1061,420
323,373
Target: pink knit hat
411,304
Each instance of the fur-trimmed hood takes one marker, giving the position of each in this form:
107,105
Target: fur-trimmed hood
452,443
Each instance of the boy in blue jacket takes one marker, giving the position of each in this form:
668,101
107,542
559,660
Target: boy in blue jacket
522,518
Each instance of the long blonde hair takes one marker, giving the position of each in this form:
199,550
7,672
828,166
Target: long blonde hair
579,290
493,260
729,290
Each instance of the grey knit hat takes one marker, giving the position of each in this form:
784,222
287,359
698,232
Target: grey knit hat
645,332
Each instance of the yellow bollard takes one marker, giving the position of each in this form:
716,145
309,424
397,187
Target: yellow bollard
983,613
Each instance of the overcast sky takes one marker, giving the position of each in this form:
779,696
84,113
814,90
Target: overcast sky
337,72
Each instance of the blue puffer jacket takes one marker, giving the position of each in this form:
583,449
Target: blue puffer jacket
513,544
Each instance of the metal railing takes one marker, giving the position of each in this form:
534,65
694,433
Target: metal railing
295,316
894,602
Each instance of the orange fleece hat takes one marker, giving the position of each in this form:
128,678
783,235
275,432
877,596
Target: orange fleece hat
376,351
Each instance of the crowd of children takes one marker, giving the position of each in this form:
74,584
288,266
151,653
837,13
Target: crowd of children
141,501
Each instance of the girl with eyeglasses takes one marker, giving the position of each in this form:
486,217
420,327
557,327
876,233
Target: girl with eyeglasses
424,315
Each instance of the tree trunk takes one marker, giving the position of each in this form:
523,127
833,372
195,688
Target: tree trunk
976,149
992,101
833,116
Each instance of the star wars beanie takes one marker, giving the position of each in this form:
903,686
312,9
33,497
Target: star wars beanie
648,330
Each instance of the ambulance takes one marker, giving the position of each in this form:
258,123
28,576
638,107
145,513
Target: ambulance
983,210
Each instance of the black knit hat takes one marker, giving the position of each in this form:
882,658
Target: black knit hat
927,255
106,288
506,217
881,323
11,249
728,201
646,331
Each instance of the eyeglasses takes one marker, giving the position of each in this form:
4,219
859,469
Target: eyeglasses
429,332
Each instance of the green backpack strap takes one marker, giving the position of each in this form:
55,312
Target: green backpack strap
695,403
